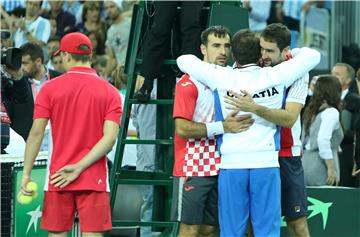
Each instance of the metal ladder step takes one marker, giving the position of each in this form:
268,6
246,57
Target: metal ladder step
143,178
148,142
157,101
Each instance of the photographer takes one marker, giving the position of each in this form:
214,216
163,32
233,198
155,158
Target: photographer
14,90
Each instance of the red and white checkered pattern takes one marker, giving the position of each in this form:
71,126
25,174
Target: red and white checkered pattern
202,157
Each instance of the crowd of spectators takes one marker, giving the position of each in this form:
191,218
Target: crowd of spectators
106,23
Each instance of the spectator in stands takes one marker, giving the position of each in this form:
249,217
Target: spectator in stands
52,46
18,13
57,63
117,36
91,20
97,39
322,133
9,21
65,22
10,5
100,64
34,68
156,45
355,84
350,112
77,174
75,8
14,92
259,12
33,28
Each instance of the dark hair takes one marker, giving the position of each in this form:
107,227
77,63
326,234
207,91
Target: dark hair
218,31
90,5
33,50
277,33
327,89
349,69
100,48
245,47
18,12
82,57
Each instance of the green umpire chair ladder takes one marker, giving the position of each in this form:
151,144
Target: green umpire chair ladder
229,14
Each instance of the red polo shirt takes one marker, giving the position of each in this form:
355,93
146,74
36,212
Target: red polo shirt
77,104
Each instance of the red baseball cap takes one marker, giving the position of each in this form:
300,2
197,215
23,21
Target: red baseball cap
71,43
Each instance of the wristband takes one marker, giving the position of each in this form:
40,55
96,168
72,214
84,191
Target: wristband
214,128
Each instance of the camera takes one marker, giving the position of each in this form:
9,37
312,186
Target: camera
5,34
10,57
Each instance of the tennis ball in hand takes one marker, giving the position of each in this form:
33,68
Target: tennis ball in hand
32,186
24,200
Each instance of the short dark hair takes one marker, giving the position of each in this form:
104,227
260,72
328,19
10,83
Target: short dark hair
218,31
245,47
18,12
277,33
82,57
33,50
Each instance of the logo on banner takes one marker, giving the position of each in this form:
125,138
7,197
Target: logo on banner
35,216
317,208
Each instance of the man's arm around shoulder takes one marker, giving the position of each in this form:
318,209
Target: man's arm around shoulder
304,60
209,74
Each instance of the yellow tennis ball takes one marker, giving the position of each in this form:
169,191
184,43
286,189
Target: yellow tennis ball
32,186
24,200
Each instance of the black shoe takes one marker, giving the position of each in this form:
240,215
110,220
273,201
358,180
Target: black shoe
143,95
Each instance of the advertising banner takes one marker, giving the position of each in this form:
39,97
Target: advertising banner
332,212
27,217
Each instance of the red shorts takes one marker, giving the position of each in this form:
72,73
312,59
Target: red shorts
93,209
